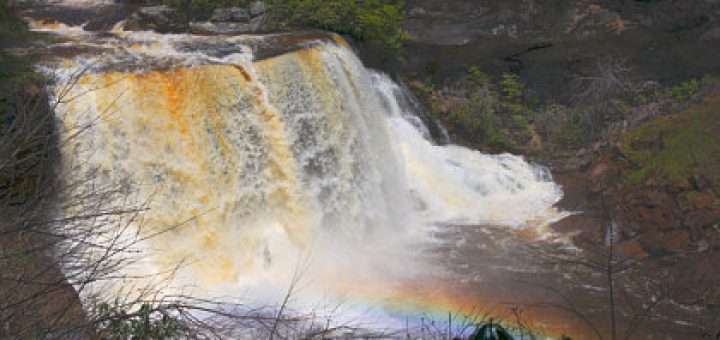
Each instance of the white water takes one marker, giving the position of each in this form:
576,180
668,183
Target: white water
258,164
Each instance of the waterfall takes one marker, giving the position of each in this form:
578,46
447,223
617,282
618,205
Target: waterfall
252,163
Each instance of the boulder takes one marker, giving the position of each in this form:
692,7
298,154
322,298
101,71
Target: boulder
260,23
232,14
160,11
208,27
254,25
573,164
157,18
711,34
257,8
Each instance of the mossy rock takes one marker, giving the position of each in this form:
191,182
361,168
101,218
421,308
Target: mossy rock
678,145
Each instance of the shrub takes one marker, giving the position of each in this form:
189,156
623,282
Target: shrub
489,115
377,22
561,125
477,79
189,10
512,90
147,322
685,90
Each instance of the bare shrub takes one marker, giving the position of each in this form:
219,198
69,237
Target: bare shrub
597,92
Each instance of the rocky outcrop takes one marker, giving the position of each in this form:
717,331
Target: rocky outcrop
665,202
155,18
233,14
234,20
230,20
547,43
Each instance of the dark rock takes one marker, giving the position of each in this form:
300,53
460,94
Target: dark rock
600,176
711,34
632,250
703,200
158,18
260,23
160,12
207,27
592,20
698,182
651,241
445,36
572,164
675,241
694,275
257,8
100,18
232,14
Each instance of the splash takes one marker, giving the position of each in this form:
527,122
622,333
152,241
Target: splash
254,164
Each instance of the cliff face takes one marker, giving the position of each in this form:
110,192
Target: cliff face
545,42
655,177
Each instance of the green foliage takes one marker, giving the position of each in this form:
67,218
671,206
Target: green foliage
147,322
512,88
477,79
16,73
685,90
476,112
641,99
571,133
495,111
561,125
377,22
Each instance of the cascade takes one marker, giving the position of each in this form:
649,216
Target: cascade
246,164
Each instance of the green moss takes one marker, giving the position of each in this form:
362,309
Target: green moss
689,195
678,145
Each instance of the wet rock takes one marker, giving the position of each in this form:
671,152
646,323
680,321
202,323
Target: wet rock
572,164
232,14
101,18
207,27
